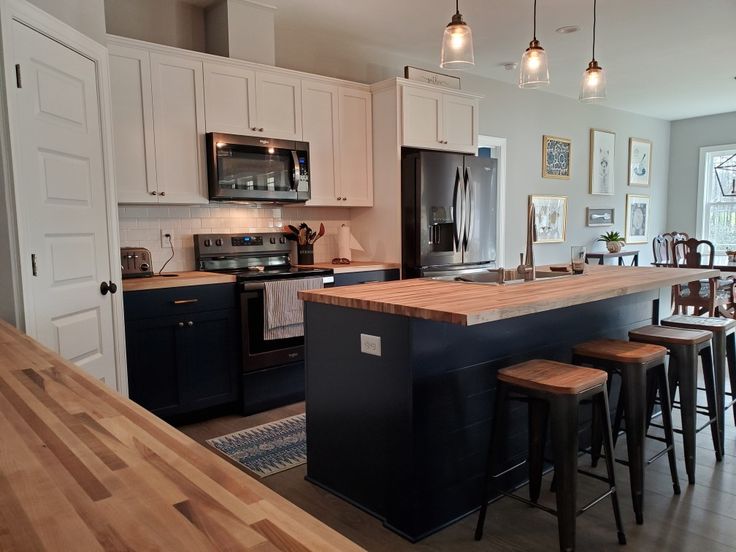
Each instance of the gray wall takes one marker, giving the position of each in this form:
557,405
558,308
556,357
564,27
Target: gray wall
87,16
687,137
169,22
521,116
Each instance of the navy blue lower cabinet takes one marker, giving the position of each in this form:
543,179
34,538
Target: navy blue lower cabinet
181,361
352,278
405,435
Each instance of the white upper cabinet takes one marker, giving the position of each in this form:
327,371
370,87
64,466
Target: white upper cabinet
321,128
230,94
178,111
356,148
132,114
278,106
422,118
440,120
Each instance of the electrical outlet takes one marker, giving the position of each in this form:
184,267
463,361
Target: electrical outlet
164,239
370,344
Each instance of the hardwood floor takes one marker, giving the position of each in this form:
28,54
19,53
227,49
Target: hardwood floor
702,518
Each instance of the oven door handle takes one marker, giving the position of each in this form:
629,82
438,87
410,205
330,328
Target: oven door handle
259,286
297,172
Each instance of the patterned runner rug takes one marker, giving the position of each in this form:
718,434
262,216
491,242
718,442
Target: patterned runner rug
269,448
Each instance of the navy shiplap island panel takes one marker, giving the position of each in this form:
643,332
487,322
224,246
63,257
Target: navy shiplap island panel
405,435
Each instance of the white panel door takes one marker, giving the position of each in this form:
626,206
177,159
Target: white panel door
460,123
278,106
356,148
178,124
61,185
321,130
422,118
229,99
132,117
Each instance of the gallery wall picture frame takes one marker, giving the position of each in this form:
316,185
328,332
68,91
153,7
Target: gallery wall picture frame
640,161
550,218
637,218
602,161
595,216
431,77
556,157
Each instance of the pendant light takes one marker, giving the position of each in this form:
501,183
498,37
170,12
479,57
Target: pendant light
534,70
593,83
457,43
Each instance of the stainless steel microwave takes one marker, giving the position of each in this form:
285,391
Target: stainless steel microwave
253,168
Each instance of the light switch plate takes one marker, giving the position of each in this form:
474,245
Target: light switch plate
370,344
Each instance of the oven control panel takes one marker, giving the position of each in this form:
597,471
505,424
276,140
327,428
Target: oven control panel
226,245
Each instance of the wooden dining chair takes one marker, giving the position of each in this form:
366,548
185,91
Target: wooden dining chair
671,238
661,250
702,296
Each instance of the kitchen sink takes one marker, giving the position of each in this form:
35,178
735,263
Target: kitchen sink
492,277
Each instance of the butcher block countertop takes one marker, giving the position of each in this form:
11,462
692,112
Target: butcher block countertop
469,303
354,266
182,279
84,469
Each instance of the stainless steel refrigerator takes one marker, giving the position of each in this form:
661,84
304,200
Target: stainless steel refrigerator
449,213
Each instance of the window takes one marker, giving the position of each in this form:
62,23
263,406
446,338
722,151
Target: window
718,193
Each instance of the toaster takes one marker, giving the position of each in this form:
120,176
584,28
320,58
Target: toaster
136,262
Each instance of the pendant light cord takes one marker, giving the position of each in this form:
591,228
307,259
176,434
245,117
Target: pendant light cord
595,10
535,19
457,6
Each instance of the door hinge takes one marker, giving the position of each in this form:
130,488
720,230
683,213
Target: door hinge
34,266
17,76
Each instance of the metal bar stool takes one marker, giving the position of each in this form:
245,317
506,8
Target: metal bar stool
556,389
684,347
724,352
638,364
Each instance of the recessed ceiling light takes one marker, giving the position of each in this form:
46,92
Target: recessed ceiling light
509,65
567,29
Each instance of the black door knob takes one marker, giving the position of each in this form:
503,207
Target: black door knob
108,286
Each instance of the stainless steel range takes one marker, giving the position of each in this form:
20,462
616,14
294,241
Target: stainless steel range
273,370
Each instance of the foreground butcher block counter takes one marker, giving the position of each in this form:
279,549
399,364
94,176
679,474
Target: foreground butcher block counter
412,364
82,468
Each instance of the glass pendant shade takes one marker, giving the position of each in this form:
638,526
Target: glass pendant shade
534,70
457,45
593,83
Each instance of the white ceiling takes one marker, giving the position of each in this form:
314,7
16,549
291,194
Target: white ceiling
671,59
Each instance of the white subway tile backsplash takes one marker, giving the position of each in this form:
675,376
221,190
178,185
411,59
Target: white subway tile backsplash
141,227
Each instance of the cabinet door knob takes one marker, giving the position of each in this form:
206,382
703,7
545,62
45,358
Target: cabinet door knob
339,199
153,193
162,194
190,323
181,324
254,128
344,199
260,129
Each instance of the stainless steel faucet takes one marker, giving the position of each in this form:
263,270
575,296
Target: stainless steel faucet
526,268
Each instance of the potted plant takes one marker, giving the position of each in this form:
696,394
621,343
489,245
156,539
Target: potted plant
614,241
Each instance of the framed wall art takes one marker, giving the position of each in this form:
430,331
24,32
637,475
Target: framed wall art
637,218
430,77
602,161
640,161
556,157
550,218
600,217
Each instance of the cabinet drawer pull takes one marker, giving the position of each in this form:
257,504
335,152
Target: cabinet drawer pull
181,324
190,323
185,301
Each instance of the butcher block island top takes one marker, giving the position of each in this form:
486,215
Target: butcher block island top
82,468
181,279
470,303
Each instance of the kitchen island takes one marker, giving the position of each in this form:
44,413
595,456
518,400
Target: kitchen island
402,430
82,468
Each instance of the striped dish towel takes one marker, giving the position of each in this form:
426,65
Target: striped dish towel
283,310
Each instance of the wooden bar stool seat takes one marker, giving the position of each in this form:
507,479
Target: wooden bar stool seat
642,369
724,353
684,346
554,389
